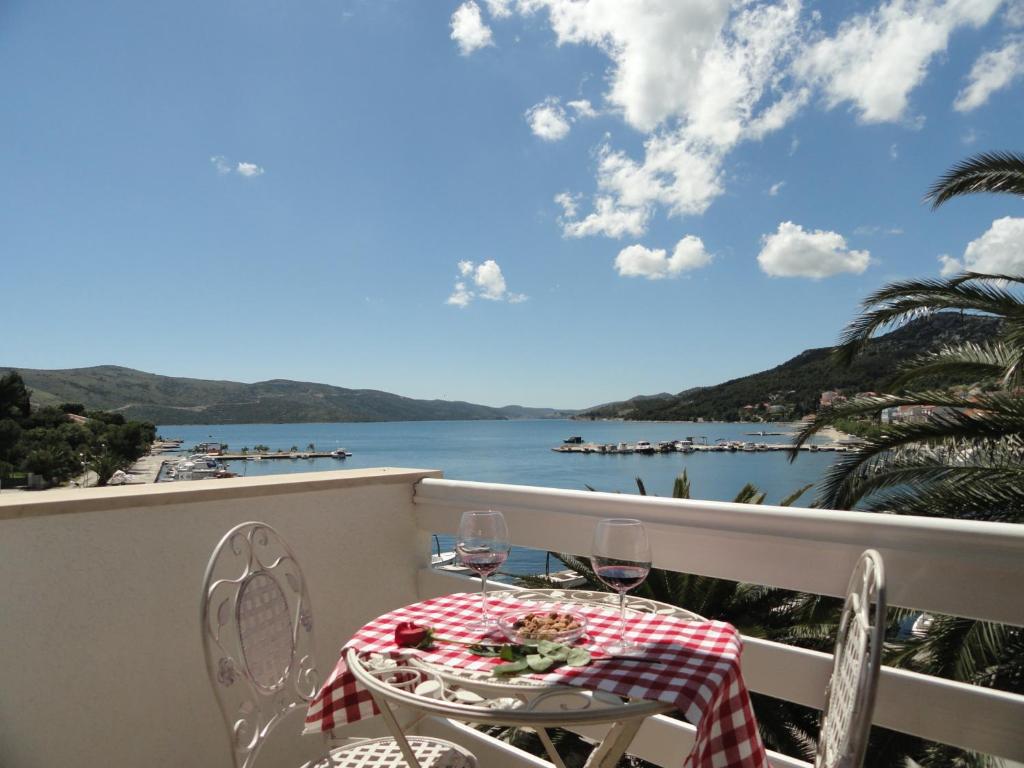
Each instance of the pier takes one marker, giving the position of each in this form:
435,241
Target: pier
734,446
280,455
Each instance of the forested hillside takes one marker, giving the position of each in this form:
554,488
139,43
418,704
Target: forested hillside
796,386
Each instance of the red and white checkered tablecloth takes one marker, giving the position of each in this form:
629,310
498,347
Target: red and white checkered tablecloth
694,665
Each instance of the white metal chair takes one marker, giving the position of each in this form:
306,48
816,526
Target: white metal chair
257,630
850,696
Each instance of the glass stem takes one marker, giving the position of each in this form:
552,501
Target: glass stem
622,617
483,599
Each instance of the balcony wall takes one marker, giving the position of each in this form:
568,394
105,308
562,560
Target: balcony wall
99,605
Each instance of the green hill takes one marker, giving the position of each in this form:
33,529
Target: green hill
172,400
798,383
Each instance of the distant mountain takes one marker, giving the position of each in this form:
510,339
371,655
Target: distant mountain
172,400
797,384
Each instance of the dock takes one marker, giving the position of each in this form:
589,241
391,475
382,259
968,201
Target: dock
281,455
734,446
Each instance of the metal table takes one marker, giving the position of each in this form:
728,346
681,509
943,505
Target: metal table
480,698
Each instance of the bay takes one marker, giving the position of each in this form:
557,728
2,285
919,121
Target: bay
519,452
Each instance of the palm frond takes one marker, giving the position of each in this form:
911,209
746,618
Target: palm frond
984,172
984,360
795,495
898,303
681,487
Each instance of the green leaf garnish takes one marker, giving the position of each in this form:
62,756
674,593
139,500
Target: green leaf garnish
541,657
538,663
514,668
578,657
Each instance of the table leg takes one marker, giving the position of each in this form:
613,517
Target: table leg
545,739
610,750
396,731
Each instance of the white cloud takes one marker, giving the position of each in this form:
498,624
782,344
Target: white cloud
656,264
568,203
876,59
224,167
249,170
499,9
1014,15
950,266
547,120
488,282
221,164
969,137
607,219
992,71
794,252
775,188
894,152
998,251
793,146
697,77
461,296
582,108
469,30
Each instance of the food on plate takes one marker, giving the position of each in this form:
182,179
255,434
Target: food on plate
536,626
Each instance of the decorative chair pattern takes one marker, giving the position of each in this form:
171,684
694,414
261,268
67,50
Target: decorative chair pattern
257,634
850,696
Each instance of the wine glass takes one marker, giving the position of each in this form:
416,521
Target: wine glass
621,558
482,545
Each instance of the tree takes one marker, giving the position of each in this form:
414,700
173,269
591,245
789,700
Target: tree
966,460
985,172
14,397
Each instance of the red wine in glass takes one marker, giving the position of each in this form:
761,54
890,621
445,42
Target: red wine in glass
620,575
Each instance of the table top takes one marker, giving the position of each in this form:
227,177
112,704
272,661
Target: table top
484,683
689,664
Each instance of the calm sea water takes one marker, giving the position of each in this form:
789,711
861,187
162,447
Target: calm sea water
519,452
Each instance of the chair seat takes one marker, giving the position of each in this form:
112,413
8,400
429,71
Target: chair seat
385,753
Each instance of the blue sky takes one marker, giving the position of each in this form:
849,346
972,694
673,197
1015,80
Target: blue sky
545,202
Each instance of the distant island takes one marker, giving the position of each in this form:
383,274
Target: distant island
801,385
141,396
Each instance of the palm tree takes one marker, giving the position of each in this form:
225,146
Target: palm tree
965,461
986,172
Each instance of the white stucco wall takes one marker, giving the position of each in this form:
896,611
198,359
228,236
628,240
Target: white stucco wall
99,604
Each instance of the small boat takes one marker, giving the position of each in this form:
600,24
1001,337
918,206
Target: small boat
624,448
643,446
921,625
340,453
439,558
566,579
573,440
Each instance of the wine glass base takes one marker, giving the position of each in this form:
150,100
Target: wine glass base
482,625
625,649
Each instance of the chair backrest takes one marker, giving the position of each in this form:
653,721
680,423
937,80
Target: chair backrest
257,629
850,697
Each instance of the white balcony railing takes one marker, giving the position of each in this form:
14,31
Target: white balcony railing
99,604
